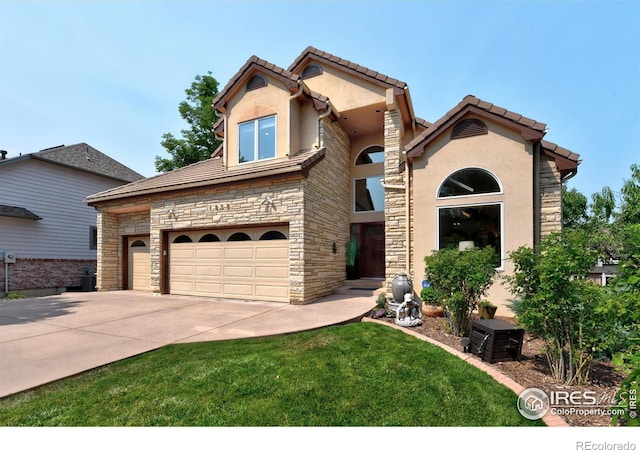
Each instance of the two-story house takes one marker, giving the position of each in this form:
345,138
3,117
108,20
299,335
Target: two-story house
48,234
318,154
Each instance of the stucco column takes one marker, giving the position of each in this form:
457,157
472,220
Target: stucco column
394,198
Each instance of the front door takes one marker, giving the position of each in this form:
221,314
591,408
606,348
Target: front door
372,250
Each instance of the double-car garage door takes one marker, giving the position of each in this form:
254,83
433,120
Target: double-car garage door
247,264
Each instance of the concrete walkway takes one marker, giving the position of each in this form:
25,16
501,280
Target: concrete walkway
49,338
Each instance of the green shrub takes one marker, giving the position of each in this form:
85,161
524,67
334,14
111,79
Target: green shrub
558,303
429,296
460,279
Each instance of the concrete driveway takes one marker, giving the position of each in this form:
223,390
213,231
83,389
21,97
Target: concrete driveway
48,338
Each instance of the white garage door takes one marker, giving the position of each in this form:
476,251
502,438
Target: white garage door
247,264
139,275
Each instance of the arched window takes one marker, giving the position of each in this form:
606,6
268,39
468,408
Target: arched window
272,235
239,237
209,238
256,82
371,155
472,181
183,238
469,127
138,243
312,70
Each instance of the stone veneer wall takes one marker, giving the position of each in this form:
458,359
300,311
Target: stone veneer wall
108,273
394,199
237,206
205,208
550,197
326,215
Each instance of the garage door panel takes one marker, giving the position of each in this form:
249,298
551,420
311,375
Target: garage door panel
209,288
182,287
182,251
206,251
246,270
276,252
242,289
208,271
237,252
272,292
277,272
182,269
237,271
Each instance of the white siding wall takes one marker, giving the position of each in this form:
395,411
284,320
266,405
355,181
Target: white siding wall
57,194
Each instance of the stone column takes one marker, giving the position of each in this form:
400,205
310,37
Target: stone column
107,274
394,198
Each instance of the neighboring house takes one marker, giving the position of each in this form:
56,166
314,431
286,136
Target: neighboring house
316,154
44,219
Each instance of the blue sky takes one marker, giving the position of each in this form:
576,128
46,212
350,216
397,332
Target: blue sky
113,73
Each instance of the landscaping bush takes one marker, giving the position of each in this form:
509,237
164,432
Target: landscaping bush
460,279
557,302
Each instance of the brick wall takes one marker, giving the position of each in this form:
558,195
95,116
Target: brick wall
28,274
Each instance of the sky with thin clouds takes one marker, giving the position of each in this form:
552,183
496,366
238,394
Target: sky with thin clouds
112,73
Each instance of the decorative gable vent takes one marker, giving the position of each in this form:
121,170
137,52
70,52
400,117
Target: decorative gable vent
256,82
312,70
469,127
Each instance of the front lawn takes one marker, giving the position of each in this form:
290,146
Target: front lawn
360,374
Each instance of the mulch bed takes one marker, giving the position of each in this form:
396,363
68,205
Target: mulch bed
532,370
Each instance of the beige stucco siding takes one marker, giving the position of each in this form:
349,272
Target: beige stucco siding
509,158
345,91
244,106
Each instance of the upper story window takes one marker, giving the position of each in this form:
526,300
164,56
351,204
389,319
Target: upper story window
371,155
257,139
472,181
312,70
256,82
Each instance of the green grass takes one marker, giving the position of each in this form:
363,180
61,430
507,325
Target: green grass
360,374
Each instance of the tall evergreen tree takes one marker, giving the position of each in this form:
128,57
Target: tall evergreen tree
198,142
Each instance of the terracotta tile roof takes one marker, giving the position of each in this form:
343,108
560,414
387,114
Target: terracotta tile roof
566,161
471,103
211,172
345,65
254,62
560,151
82,157
18,212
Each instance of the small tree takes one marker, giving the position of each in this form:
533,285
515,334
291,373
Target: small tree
460,279
558,303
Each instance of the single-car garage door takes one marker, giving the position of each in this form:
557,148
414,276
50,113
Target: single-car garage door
139,277
247,264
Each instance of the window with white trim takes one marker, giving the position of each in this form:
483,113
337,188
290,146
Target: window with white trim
257,139
471,225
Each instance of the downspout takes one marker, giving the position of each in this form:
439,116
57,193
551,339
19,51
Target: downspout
291,98
320,117
407,182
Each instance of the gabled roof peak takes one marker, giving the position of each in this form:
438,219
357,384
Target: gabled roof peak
313,53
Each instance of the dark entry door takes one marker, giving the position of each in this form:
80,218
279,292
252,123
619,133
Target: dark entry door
372,250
